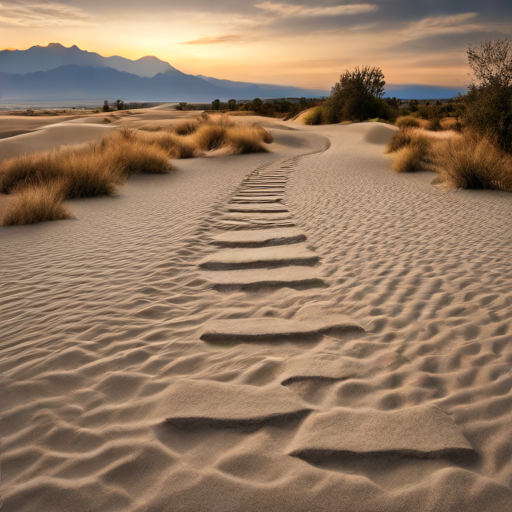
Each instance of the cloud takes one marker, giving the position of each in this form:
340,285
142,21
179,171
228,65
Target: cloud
303,11
215,40
40,14
439,25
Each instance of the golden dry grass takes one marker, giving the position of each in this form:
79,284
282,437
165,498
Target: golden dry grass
184,128
246,139
462,161
314,116
473,162
412,150
414,158
406,137
418,122
407,122
96,168
450,123
37,204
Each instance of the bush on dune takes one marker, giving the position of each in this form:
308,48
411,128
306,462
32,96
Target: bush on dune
96,168
37,204
407,122
411,150
450,123
209,137
247,139
137,157
184,128
315,116
406,137
472,161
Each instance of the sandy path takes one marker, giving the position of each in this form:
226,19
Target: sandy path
104,317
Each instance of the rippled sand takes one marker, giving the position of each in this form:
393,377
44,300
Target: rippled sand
111,400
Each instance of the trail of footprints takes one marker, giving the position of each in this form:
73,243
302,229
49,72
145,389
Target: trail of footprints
258,247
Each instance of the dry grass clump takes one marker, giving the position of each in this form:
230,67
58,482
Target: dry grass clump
462,161
407,122
412,151
414,158
37,204
472,161
169,143
406,137
209,137
96,168
314,116
137,157
81,173
416,122
238,138
41,181
450,123
185,128
246,139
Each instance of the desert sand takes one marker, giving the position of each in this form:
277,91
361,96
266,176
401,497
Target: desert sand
299,330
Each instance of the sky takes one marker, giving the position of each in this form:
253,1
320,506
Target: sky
303,43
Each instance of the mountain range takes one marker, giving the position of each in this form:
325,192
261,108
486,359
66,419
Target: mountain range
55,72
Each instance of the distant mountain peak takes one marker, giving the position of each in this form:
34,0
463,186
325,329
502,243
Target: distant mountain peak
51,45
54,55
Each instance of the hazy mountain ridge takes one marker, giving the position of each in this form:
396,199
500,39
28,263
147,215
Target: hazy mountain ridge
59,72
46,58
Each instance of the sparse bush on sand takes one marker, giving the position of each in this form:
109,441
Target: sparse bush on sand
314,116
463,161
472,161
37,204
450,123
247,139
433,124
406,137
96,168
407,122
184,128
415,157
412,150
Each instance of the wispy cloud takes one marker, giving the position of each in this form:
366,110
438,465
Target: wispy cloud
216,40
439,25
303,11
40,14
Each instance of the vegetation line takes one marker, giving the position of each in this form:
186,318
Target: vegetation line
41,181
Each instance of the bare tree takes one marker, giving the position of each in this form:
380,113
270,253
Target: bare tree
491,62
489,100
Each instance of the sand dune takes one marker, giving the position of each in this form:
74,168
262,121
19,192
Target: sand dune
112,401
12,125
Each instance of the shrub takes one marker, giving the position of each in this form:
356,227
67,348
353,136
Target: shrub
433,124
414,158
209,136
358,96
407,122
489,101
29,169
451,123
185,128
247,139
167,145
411,150
406,137
472,161
314,116
88,175
130,158
37,204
